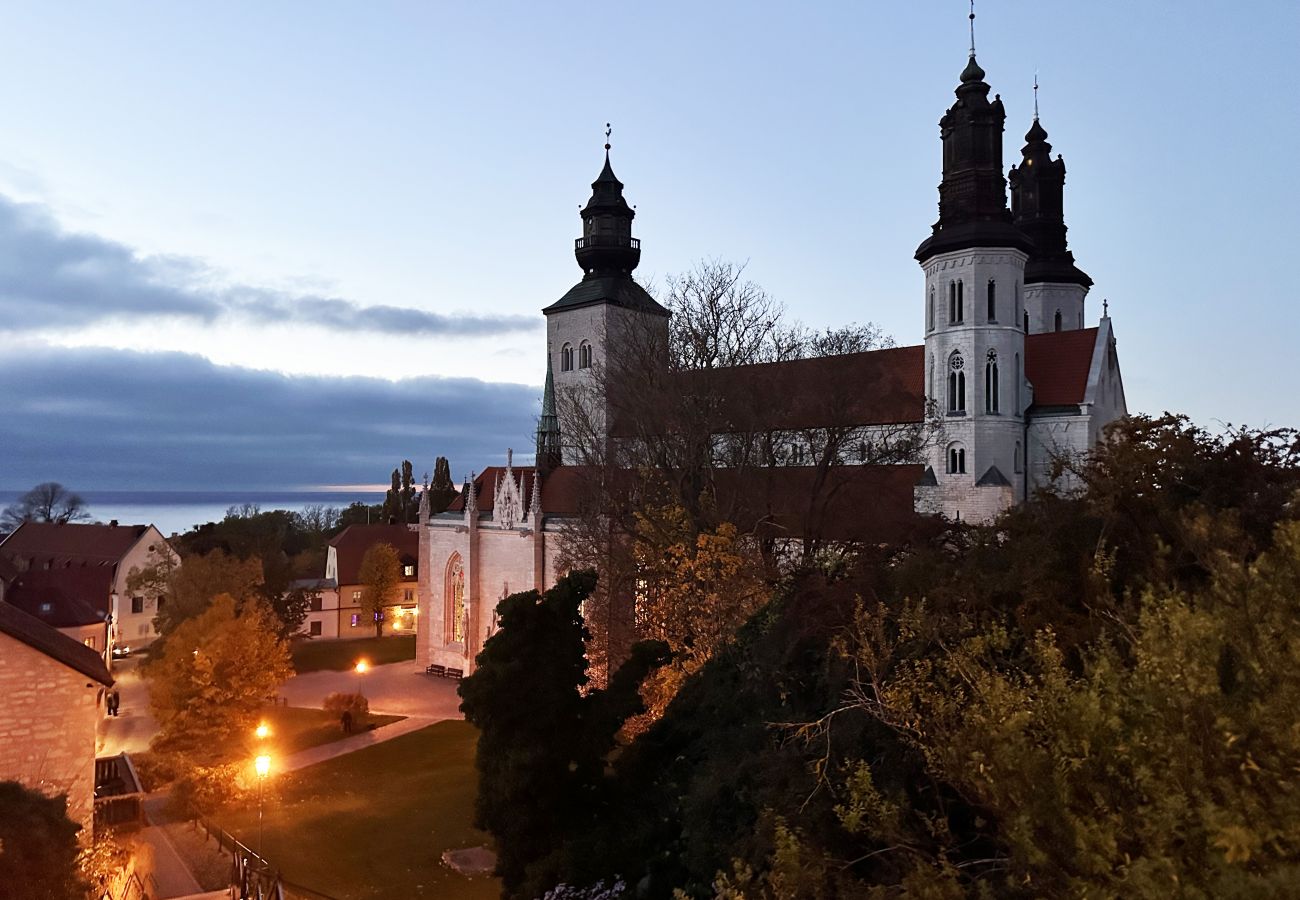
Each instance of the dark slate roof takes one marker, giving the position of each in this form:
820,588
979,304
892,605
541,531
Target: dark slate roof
39,636
76,595
993,478
352,543
620,290
40,542
1057,365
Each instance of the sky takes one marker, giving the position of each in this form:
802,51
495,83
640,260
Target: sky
251,245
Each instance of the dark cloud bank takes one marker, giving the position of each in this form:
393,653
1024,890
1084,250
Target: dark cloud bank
98,419
52,279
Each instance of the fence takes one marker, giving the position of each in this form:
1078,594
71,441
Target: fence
251,877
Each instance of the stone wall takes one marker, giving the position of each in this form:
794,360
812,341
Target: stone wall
48,717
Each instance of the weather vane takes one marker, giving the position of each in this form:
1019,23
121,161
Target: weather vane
1035,95
972,28
609,130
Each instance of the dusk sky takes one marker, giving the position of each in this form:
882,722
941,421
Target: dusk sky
275,245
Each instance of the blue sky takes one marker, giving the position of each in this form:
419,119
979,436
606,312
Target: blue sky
294,194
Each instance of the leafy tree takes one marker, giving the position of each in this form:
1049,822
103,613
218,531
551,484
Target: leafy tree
358,513
543,742
400,504
47,502
38,846
216,669
191,586
380,574
441,490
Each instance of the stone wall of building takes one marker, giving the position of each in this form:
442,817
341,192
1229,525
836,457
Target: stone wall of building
48,717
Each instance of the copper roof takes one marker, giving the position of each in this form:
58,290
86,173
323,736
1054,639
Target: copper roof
36,634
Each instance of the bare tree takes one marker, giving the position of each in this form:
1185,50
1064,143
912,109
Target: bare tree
47,502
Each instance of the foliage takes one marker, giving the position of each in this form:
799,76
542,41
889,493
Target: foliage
358,513
38,846
191,586
214,672
107,862
380,575
203,790
47,502
441,490
543,742
400,504
339,703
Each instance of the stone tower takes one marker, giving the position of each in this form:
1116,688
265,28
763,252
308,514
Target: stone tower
974,263
603,312
1055,287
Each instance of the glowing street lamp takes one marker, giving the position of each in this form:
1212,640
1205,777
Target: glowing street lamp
362,667
263,731
263,766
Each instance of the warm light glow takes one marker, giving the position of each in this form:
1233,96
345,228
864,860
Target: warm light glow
263,764
362,666
263,730
397,624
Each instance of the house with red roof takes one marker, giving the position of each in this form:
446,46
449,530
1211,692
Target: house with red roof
73,574
1010,379
343,560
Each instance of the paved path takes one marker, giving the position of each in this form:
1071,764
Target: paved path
131,730
396,689
334,749
170,873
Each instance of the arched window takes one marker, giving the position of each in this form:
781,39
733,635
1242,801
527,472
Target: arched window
931,386
993,301
932,308
991,404
1019,460
454,601
566,358
956,459
956,384
1026,321
584,355
1058,320
960,303
1019,378
952,302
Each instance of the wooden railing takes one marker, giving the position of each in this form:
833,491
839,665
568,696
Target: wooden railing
251,877
119,798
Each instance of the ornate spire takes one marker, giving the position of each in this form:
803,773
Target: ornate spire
607,246
535,498
1038,209
549,453
471,501
973,193
424,506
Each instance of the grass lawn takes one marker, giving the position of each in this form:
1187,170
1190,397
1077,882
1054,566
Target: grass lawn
374,823
313,656
295,728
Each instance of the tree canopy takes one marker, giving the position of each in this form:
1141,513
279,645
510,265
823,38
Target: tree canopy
47,502
380,575
38,846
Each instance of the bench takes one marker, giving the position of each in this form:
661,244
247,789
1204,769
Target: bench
436,670
456,674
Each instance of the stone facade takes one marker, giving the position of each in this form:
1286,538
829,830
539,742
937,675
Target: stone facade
48,716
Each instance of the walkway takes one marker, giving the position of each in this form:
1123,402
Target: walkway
131,730
170,872
396,689
334,749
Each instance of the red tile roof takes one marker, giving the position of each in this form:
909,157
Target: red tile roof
36,634
76,595
562,490
352,543
1057,365
39,542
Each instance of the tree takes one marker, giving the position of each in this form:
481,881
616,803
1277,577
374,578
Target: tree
191,587
38,846
380,574
543,742
441,490
47,502
216,670
400,504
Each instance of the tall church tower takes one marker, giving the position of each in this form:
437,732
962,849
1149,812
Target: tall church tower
1055,287
604,311
974,263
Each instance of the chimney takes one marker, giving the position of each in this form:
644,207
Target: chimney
112,523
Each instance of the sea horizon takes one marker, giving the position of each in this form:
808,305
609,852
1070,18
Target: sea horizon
174,512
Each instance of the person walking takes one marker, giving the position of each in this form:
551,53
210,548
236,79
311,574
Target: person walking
347,721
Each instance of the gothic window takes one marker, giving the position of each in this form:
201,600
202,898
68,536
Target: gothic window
1026,321
960,303
956,384
932,308
1058,320
454,602
993,300
1019,460
566,358
1019,378
584,355
991,404
952,302
956,459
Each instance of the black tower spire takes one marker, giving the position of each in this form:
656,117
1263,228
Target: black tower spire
973,194
549,452
607,246
1038,208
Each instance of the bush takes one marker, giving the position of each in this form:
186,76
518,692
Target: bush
158,770
204,790
338,703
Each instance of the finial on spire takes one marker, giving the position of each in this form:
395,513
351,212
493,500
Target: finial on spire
1035,95
972,29
1105,308
609,130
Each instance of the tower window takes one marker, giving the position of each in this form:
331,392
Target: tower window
932,309
956,459
1058,320
1026,321
566,358
584,355
1019,378
960,303
993,301
956,384
991,404
952,302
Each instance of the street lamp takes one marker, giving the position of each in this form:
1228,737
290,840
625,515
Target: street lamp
362,667
263,730
263,766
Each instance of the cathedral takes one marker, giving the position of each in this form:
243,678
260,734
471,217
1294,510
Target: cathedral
1010,377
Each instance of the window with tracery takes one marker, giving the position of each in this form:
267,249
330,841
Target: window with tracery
455,600
991,400
956,383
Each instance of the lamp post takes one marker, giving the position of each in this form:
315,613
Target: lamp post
263,766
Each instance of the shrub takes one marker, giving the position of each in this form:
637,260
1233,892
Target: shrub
204,790
338,703
158,770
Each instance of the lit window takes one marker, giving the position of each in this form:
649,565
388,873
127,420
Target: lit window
408,571
356,595
47,607
89,642
356,619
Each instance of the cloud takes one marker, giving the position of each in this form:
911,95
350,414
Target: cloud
50,279
98,419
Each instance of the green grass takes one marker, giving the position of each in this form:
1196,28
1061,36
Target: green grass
295,728
374,823
318,655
